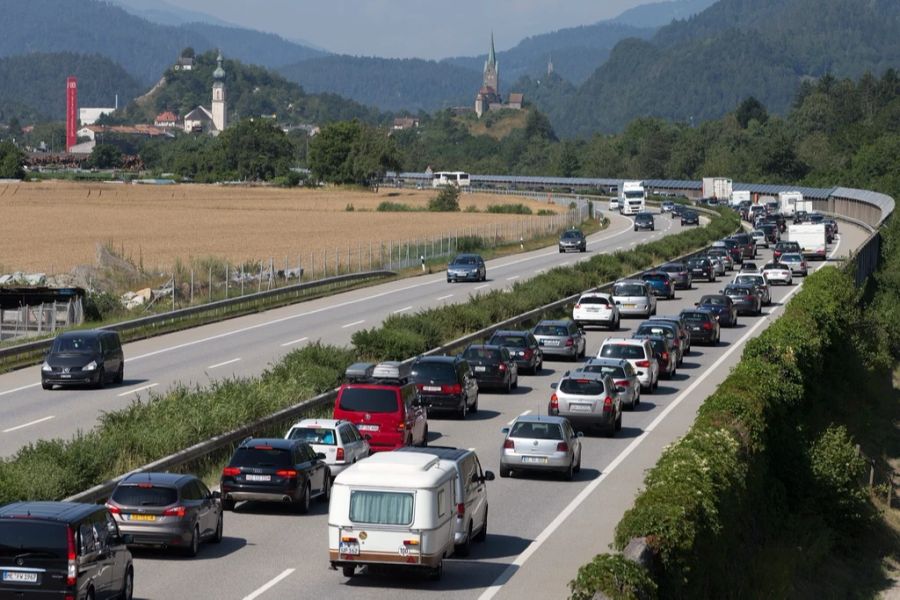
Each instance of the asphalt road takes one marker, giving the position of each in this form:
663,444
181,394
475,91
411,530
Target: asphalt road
246,345
540,529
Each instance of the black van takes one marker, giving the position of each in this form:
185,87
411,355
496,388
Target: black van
90,357
63,550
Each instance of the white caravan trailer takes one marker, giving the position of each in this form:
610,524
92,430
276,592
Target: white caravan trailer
445,178
393,508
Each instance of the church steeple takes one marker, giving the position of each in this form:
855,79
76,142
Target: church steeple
219,73
492,56
492,70
219,101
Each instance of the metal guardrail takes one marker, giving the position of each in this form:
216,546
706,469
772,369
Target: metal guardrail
134,324
202,449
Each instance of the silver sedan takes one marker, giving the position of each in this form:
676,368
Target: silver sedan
539,443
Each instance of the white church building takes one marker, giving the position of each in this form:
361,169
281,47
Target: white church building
211,120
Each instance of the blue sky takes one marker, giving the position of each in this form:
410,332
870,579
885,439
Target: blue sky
410,28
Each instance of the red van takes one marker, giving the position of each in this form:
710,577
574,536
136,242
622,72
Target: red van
384,405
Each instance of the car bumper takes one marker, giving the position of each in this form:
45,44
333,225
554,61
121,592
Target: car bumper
705,336
490,380
568,351
150,535
571,248
595,420
463,276
559,461
443,403
595,318
638,227
783,280
636,310
683,283
261,493
79,378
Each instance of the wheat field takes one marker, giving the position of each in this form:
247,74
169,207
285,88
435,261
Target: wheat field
54,226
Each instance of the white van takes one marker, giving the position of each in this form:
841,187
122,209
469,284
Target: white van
393,508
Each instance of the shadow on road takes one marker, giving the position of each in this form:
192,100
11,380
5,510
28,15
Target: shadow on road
228,545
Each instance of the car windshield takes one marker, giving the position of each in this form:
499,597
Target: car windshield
20,536
368,400
572,235
465,260
593,300
424,372
509,341
536,431
554,330
629,289
581,387
626,351
713,300
76,344
313,435
262,456
488,354
145,495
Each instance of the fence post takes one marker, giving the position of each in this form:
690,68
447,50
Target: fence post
173,289
40,323
226,279
242,279
210,282
192,286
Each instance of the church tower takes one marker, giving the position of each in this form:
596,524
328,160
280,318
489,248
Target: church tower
492,70
219,105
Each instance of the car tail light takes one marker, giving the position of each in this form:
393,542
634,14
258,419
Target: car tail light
623,383
509,445
528,353
410,542
707,326
72,567
502,366
607,404
340,454
401,427
643,363
562,447
112,508
748,298
231,471
665,356
175,511
577,306
420,386
570,342
451,389
460,510
286,473
554,402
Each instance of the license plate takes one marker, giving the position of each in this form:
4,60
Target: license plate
431,388
66,376
368,427
696,328
551,342
258,477
534,460
17,577
593,309
349,549
147,517
480,369
630,305
580,407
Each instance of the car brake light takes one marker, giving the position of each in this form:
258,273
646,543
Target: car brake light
570,342
72,568
286,473
460,510
707,325
623,383
145,485
401,427
231,471
528,354
451,389
562,447
554,402
262,447
340,454
665,356
748,298
502,367
175,511
607,404
113,509
509,445
420,386
643,363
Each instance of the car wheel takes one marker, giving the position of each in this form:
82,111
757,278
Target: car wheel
463,410
437,572
46,386
348,570
220,526
516,382
448,281
578,464
302,505
465,548
505,472
569,473
648,389
194,547
101,379
128,585
482,533
425,437
228,504
474,408
507,388
619,423
326,495
120,374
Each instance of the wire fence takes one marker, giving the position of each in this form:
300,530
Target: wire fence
41,319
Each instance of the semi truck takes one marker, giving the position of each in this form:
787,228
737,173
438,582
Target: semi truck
632,197
811,238
719,188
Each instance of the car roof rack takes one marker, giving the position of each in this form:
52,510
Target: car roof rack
387,372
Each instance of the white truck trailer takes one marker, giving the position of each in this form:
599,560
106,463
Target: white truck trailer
791,202
719,188
811,237
739,196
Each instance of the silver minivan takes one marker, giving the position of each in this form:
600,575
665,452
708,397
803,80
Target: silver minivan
470,491
634,298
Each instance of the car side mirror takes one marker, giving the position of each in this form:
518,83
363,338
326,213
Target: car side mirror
126,539
579,434
215,495
621,389
553,386
320,455
367,437
488,476
696,304
504,430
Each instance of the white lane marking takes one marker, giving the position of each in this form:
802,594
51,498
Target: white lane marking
268,585
513,278
445,297
402,310
140,389
481,287
353,324
294,342
19,389
533,547
222,364
29,424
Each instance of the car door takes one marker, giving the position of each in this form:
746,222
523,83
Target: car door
207,515
118,552
361,445
469,383
510,364
536,349
313,465
95,565
576,335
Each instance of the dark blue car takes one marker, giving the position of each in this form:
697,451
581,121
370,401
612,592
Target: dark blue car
661,284
722,306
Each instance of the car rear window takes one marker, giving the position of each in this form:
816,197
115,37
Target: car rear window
314,435
262,457
381,508
714,300
748,279
697,317
557,330
671,268
773,266
626,351
593,300
659,346
655,330
536,431
136,495
606,370
434,371
581,387
21,536
629,289
482,354
697,263
509,341
654,277
368,400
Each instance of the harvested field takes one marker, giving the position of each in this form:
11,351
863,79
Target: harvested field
54,226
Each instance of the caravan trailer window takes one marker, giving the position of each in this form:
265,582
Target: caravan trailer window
381,508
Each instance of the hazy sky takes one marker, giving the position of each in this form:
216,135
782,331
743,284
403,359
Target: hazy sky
410,28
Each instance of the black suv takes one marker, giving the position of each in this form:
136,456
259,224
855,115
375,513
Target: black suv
690,217
572,239
275,470
701,267
523,347
493,366
92,357
446,383
644,220
63,550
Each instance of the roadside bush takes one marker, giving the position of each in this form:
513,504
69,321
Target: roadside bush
469,243
837,470
101,305
509,209
388,206
447,200
615,576
543,212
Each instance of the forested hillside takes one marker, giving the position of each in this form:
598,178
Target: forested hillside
34,86
658,14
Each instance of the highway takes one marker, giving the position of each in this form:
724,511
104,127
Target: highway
246,345
540,529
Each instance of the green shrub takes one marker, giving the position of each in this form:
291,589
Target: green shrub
388,206
101,305
469,243
349,207
615,576
447,200
543,212
509,209
837,470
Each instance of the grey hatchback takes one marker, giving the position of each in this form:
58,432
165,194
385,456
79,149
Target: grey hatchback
167,510
466,267
560,338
